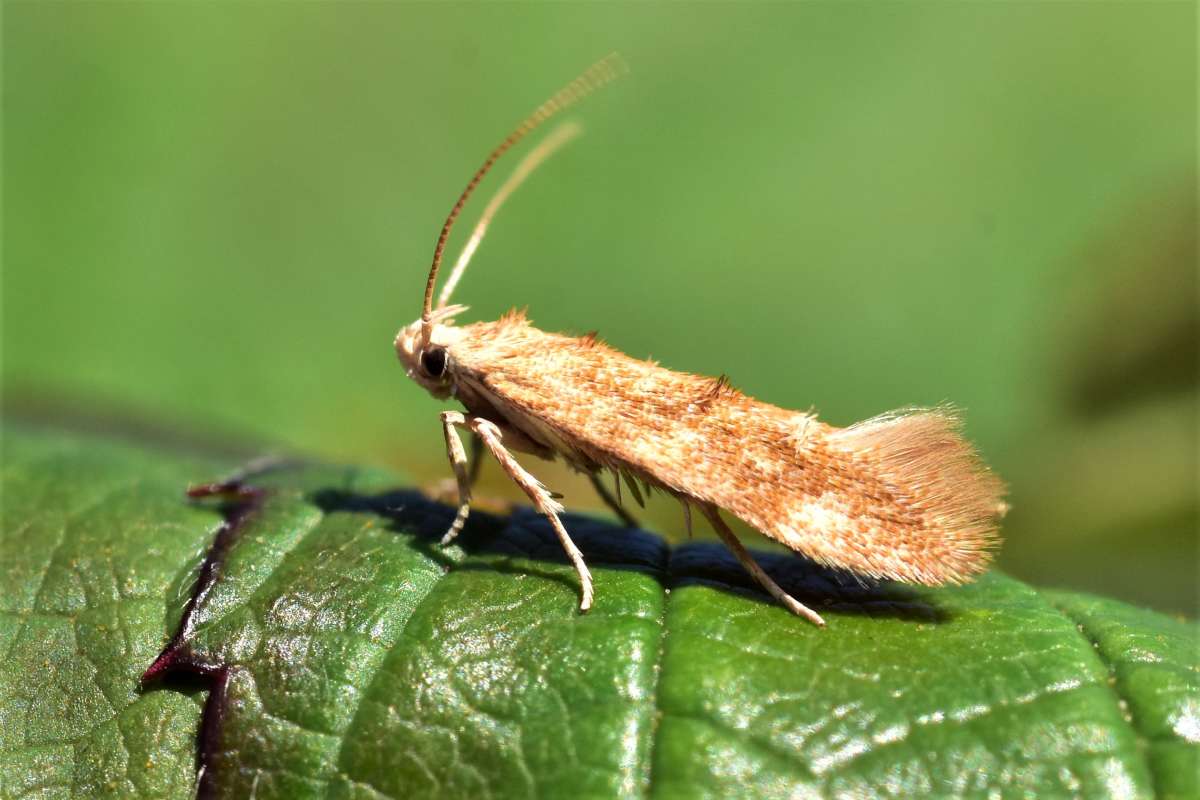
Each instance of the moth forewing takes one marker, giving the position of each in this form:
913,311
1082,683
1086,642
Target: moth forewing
902,496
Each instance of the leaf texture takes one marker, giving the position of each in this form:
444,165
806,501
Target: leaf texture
340,652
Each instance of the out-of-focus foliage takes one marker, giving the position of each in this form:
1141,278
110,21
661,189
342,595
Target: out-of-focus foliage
218,216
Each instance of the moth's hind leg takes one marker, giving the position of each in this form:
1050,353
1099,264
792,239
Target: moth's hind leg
743,555
613,503
541,498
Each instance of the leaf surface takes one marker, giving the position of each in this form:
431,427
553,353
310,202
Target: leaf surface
335,649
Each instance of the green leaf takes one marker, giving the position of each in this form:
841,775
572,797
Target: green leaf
338,650
96,542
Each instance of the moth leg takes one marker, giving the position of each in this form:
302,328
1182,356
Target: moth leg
542,500
458,462
747,561
476,459
613,503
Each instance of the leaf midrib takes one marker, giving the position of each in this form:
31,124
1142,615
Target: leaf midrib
1122,703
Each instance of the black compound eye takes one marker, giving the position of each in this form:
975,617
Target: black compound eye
433,361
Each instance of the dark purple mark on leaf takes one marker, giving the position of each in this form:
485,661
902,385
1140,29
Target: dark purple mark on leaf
239,503
524,533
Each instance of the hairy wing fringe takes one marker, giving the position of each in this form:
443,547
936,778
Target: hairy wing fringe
923,456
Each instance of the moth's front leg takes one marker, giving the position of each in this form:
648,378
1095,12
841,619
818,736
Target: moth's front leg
458,462
542,500
446,489
476,459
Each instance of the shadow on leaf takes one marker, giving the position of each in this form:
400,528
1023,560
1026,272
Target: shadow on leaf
525,534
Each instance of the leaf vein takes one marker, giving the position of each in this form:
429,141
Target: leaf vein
1114,683
656,711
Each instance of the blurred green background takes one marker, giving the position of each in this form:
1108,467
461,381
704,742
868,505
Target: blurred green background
217,215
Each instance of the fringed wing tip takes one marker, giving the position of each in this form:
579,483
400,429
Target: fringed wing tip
937,473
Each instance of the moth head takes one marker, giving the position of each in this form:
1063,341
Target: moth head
420,345
425,351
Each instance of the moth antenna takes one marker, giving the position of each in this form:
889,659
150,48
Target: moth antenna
546,148
594,77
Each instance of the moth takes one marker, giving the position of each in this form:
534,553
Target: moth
902,496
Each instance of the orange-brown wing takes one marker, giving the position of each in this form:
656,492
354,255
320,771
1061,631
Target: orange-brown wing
902,496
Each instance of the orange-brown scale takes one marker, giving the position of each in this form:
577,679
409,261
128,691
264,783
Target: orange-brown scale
902,496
